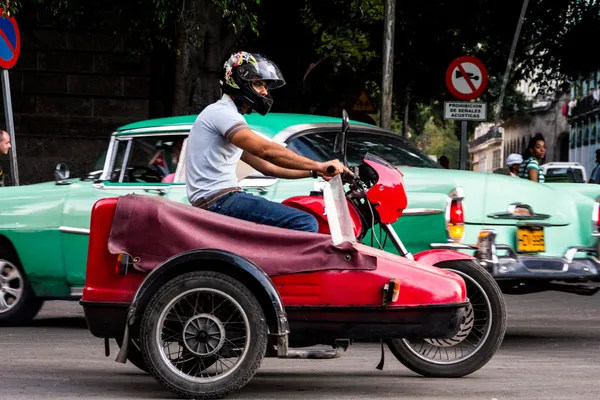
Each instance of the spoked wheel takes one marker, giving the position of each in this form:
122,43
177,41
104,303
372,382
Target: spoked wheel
18,303
203,335
479,337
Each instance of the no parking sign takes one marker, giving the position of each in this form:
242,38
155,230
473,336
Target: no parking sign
10,42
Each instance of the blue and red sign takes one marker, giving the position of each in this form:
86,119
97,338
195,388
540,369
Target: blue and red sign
10,42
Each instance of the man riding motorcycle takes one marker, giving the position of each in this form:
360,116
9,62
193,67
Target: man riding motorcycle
220,137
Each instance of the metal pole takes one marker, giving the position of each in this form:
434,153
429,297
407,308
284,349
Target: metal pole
463,145
510,61
10,127
405,124
388,63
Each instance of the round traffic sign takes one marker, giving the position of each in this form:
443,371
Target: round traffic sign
10,42
466,78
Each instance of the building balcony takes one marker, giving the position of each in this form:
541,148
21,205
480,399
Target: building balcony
585,107
493,135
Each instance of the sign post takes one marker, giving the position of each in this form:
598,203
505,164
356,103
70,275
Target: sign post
466,78
10,48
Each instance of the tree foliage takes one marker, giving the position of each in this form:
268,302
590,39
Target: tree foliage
330,50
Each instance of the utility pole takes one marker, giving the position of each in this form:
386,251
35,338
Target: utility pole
389,22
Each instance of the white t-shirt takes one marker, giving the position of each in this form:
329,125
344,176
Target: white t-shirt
211,158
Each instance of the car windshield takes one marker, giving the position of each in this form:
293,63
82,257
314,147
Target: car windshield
567,174
395,150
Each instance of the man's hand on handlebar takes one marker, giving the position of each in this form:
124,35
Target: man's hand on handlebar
330,169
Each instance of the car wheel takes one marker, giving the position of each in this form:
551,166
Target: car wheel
479,337
203,335
18,303
134,354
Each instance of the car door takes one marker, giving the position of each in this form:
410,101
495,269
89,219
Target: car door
140,164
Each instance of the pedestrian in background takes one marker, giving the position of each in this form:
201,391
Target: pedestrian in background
4,148
533,156
594,178
513,162
445,162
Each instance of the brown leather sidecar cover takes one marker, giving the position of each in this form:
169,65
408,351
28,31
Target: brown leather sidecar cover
154,229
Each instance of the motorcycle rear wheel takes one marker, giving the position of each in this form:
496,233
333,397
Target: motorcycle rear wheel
480,335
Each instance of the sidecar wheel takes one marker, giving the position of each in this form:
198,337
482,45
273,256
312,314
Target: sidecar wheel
478,339
203,335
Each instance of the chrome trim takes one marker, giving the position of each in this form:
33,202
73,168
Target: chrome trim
124,186
421,211
457,193
510,213
571,252
77,291
452,246
291,131
180,170
125,160
150,131
568,257
110,155
76,231
391,232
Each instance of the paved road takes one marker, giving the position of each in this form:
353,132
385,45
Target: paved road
551,351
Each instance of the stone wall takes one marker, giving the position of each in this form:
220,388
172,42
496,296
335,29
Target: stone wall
70,90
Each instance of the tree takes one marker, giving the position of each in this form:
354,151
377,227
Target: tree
200,34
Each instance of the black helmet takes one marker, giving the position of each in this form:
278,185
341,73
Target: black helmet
238,73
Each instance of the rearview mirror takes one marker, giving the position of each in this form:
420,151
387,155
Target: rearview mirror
62,172
339,146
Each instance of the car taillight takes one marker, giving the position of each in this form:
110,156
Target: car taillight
596,219
455,217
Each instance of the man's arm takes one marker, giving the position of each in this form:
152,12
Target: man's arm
268,169
281,156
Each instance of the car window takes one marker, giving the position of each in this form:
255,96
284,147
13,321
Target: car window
150,159
565,174
395,150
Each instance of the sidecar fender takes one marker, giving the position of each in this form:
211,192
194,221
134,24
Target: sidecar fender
435,256
221,261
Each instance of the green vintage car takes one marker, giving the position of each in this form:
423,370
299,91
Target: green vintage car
528,235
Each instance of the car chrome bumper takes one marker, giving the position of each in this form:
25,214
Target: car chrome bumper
524,266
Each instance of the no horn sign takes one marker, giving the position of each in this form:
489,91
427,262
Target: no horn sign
10,42
466,78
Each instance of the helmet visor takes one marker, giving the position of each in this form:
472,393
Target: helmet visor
263,70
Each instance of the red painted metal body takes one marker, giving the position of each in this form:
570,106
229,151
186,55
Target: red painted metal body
388,196
103,283
419,284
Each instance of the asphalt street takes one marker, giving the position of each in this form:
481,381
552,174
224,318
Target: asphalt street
551,351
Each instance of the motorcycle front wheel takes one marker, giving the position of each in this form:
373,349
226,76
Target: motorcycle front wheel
479,337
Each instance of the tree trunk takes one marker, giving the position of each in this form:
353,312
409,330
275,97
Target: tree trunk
203,42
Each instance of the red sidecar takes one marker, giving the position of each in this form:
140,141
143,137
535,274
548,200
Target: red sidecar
198,299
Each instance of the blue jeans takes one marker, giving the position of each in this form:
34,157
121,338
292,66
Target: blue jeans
256,209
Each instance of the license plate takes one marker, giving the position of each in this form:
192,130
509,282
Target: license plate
530,240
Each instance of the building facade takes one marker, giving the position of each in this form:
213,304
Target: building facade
548,116
486,148
584,120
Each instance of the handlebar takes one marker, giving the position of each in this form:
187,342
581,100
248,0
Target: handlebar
330,169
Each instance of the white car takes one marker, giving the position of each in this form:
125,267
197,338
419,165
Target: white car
565,172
